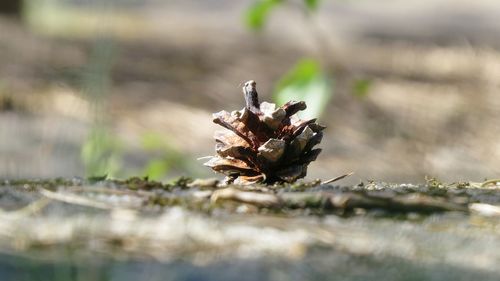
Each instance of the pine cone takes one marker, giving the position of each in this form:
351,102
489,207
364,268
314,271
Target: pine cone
264,144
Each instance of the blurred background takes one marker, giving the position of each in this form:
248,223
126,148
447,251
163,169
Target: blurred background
407,88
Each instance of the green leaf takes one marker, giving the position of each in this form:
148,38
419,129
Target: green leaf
101,154
154,141
361,87
167,156
257,14
311,4
305,82
156,169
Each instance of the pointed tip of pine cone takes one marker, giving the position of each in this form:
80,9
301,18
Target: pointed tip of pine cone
262,143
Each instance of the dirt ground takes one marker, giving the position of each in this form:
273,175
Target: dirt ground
198,230
432,108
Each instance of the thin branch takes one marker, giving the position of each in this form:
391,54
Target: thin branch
256,198
485,209
338,178
488,182
343,201
75,199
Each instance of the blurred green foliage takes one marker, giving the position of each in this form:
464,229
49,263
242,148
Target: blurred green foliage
166,157
306,81
96,76
258,13
101,154
361,87
312,4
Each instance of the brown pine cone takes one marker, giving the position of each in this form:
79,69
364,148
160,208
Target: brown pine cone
264,143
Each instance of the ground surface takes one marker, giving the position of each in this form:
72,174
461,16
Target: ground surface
142,230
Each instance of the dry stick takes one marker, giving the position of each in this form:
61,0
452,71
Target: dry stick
74,199
94,189
403,203
488,182
406,203
485,209
338,178
255,198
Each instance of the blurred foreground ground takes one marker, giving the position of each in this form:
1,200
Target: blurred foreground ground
141,230
432,108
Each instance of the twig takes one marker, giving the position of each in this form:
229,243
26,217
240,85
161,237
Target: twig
349,200
74,199
338,178
95,189
485,209
256,198
204,157
488,182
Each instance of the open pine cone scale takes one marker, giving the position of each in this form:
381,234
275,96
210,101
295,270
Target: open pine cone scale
263,143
